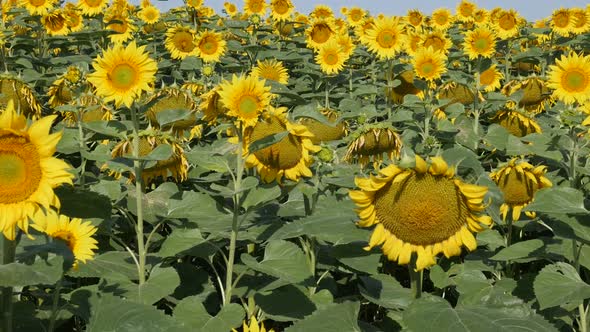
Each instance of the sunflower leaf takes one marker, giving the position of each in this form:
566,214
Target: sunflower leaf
41,272
558,284
334,317
267,141
172,115
557,200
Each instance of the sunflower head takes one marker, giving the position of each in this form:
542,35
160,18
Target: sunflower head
384,37
465,11
371,142
92,109
92,7
322,132
22,96
281,10
245,98
480,42
437,40
441,19
355,16
536,94
331,58
405,87
319,32
210,45
518,123
570,78
149,14
581,20
519,181
211,106
456,93
37,7
321,12
489,79
429,64
120,24
562,21
271,69
415,18
425,210
230,9
506,23
254,326
172,98
55,23
180,42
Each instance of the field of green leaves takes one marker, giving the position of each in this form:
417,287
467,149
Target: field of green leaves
260,169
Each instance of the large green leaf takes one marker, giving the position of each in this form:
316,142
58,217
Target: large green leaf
333,317
559,284
161,282
435,314
558,200
228,317
183,240
117,264
41,272
82,203
283,260
385,291
261,195
275,307
520,250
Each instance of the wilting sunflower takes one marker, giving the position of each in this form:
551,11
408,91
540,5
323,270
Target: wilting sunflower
12,88
121,25
91,107
480,42
406,87
518,123
271,69
422,210
149,14
176,166
253,327
371,142
562,22
519,181
322,132
37,7
330,58
76,234
441,19
122,74
55,23
415,18
319,32
457,93
355,16
210,45
245,97
211,106
437,40
429,64
255,7
581,20
490,78
290,157
92,7
385,37
174,98
506,23
570,78
536,95
230,9
465,11
28,172
281,10
180,42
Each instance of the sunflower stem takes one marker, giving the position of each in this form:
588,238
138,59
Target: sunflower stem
8,252
507,62
350,82
82,145
583,320
54,305
327,99
415,278
138,168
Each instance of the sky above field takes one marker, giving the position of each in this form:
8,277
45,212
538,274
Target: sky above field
530,9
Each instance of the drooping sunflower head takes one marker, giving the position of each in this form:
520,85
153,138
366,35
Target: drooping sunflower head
330,58
37,7
441,19
422,211
335,129
371,142
149,14
489,79
456,93
55,23
176,166
507,23
429,64
211,106
289,158
355,16
255,7
253,327
480,42
437,40
22,96
245,98
281,10
180,42
123,73
465,11
28,170
570,78
536,94
210,45
415,18
519,181
562,21
92,7
319,32
385,37
518,122
92,109
74,232
405,87
168,99
271,69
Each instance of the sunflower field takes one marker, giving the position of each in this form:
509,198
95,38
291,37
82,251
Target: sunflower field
260,169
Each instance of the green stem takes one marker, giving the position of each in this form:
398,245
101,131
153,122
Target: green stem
138,169
583,321
415,278
327,98
8,253
583,318
350,83
235,221
507,63
573,161
54,310
82,145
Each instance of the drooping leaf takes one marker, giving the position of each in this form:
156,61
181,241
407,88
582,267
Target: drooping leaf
334,317
558,284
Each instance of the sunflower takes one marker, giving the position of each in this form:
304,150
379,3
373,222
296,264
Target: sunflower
281,10
149,14
91,107
562,22
176,166
385,37
211,106
37,7
570,77
481,16
73,19
194,4
253,327
412,41
121,25
92,7
122,74
230,9
361,30
55,23
415,18
319,32
59,93
437,40
12,88
76,234
370,142
429,64
465,11
405,87
210,45
180,42
173,98
322,132
330,58
255,7
581,21
517,123
506,23
245,98
519,181
346,44
422,210
441,19
272,70
321,12
456,93
536,95
480,42
490,78
290,157
355,16
28,172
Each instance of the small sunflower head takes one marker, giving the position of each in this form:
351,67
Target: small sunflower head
371,142
322,132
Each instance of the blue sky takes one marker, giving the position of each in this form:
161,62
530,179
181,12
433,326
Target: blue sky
530,9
